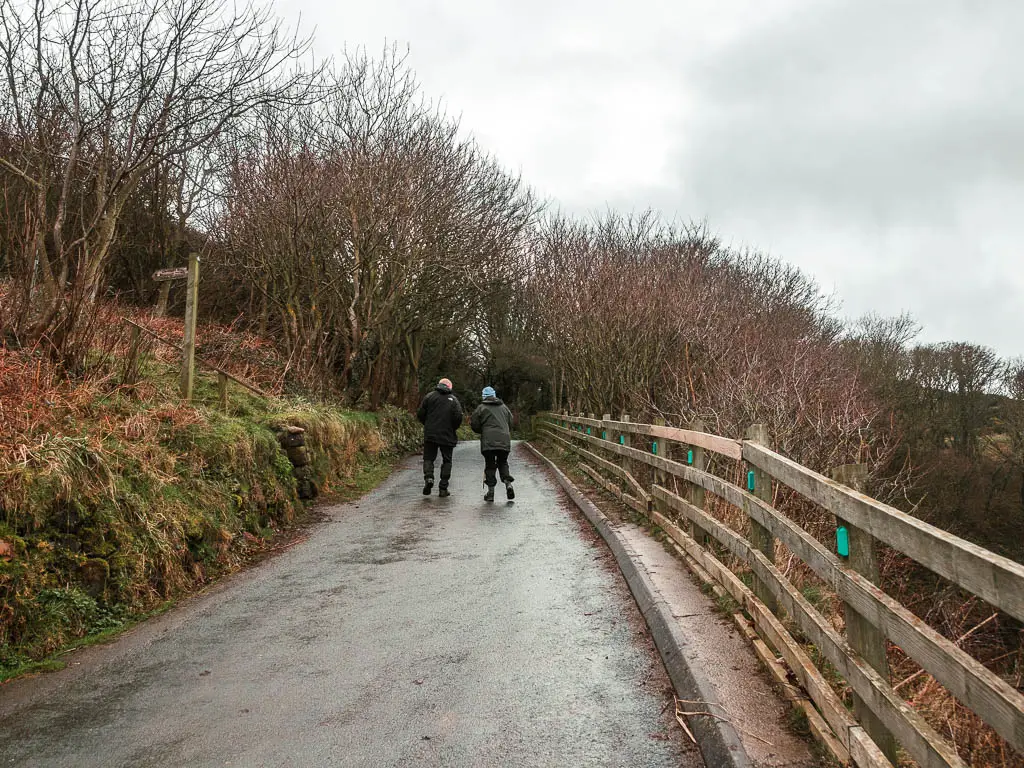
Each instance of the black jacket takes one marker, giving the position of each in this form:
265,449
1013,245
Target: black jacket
440,414
492,420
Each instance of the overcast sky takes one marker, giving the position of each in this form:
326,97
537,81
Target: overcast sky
878,145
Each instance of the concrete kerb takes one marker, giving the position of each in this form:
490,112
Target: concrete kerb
717,739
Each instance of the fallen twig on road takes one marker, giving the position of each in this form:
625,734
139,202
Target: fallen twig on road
688,731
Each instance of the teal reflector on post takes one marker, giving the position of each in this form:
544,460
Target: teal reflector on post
750,481
622,439
654,448
604,434
843,541
588,430
689,456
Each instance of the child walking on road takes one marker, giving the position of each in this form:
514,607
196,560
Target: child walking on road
492,420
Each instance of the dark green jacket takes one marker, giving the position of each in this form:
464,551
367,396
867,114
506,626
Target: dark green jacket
492,420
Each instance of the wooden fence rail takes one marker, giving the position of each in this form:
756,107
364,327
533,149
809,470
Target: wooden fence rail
222,375
873,616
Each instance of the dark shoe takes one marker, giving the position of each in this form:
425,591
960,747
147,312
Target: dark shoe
442,492
489,496
509,493
427,487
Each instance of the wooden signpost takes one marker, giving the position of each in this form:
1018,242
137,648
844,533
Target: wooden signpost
188,346
177,273
188,356
188,359
166,278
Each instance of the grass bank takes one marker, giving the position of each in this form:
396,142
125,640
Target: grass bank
116,500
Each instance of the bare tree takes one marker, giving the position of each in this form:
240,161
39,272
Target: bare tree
94,95
373,229
660,321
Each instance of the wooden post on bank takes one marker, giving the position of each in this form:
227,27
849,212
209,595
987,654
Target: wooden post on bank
760,536
131,371
865,638
188,358
222,390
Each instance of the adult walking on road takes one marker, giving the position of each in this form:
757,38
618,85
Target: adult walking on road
440,413
492,420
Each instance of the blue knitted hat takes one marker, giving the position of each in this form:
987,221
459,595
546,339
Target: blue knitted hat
489,392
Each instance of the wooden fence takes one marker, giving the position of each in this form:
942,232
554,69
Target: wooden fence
188,367
880,719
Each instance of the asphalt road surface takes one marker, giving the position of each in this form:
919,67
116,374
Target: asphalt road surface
404,631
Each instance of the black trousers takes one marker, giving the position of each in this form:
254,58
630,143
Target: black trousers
430,454
496,460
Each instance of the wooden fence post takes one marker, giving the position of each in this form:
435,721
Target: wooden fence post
696,492
162,298
188,358
661,477
760,536
132,363
864,637
666,448
222,390
663,448
624,440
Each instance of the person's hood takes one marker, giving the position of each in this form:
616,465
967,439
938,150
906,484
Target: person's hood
493,401
443,389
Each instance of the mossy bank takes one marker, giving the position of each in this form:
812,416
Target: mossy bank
131,505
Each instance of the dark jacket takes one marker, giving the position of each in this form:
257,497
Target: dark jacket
492,420
440,414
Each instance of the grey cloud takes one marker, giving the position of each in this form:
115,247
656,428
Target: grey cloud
877,145
865,108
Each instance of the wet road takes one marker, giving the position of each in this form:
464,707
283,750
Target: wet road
405,630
